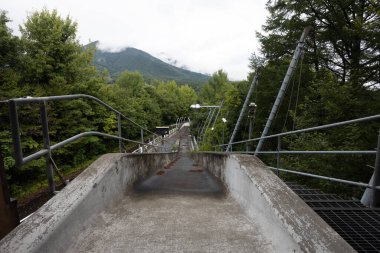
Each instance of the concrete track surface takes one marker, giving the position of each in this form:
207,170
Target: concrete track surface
185,209
175,202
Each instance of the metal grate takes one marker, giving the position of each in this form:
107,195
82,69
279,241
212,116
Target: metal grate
360,228
307,191
307,197
350,204
357,224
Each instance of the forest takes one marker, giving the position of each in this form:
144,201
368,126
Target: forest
48,60
336,79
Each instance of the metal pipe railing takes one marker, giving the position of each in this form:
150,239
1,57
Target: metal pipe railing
319,152
19,158
25,100
374,117
375,186
328,178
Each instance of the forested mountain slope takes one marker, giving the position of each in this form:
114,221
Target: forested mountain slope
150,67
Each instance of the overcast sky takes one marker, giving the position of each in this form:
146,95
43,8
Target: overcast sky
204,35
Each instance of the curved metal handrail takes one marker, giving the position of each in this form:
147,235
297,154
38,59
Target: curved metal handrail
25,100
20,160
58,145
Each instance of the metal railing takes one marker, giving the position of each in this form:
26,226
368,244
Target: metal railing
376,177
48,148
173,128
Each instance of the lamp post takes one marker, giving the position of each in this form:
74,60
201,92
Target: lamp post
251,116
211,108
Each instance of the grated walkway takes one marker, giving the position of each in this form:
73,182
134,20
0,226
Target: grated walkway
357,224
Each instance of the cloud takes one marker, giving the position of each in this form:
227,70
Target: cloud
204,35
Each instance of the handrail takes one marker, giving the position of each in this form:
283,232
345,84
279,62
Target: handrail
342,123
25,100
20,160
313,152
373,185
76,137
360,184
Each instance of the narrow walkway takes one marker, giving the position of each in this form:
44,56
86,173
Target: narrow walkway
182,175
182,208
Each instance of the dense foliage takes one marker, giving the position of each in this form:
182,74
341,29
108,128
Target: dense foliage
336,79
46,60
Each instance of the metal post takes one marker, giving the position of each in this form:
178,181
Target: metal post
9,218
251,116
15,133
223,136
248,146
376,177
142,140
247,98
278,154
119,132
217,115
45,133
281,93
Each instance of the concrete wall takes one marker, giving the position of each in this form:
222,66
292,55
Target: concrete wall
267,199
104,182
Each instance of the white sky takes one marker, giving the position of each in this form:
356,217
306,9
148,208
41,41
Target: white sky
204,35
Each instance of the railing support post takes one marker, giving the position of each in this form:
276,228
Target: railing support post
9,218
249,144
278,154
142,140
119,132
45,133
15,133
376,177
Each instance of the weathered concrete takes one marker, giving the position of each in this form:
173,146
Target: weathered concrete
121,204
57,224
182,208
268,201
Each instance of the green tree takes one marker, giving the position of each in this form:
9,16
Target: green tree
215,89
54,58
10,60
132,82
187,97
345,36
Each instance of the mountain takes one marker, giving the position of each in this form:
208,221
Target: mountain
133,59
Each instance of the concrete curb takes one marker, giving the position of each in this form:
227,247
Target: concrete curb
266,197
52,227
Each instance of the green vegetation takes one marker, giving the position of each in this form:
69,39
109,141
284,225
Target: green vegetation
337,80
46,60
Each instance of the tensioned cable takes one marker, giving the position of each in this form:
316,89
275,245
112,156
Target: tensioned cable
298,92
290,103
